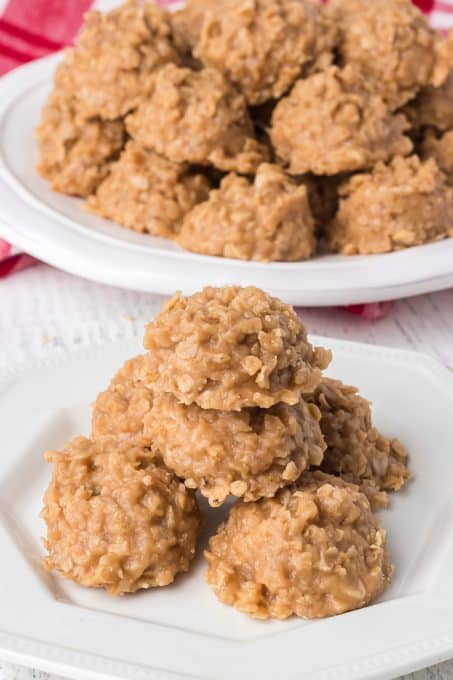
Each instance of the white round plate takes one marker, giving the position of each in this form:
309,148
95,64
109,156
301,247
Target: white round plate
56,229
183,632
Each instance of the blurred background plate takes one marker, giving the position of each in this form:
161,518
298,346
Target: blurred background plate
56,229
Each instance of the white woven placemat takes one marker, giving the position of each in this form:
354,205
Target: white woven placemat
44,311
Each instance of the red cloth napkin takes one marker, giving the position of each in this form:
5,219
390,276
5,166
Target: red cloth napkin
30,29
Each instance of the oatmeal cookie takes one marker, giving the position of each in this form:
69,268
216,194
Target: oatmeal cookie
314,550
355,449
329,124
267,219
148,193
264,45
188,21
119,410
250,453
112,64
439,147
75,155
433,107
198,117
391,44
232,348
395,206
116,519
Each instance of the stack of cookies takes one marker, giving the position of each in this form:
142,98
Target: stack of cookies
230,368
228,401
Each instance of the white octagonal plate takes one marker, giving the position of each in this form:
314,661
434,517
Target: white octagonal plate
56,229
182,631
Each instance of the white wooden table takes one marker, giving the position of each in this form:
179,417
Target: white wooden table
43,312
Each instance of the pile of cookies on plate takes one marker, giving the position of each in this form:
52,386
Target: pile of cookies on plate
267,130
228,403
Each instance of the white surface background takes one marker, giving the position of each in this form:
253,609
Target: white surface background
44,312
